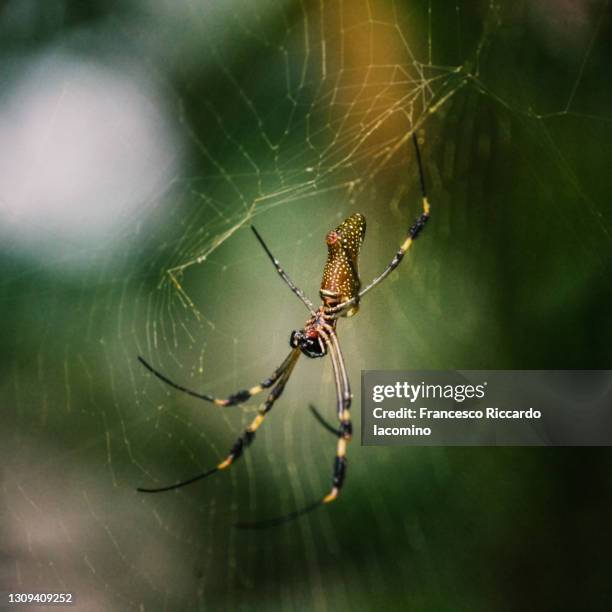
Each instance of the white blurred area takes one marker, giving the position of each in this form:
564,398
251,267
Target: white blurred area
82,146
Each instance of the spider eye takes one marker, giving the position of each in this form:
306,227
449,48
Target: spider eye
294,340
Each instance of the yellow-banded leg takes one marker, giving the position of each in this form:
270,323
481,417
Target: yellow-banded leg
236,398
344,398
412,234
249,433
343,434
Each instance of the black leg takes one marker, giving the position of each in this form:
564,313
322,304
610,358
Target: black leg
413,232
232,400
283,274
247,437
321,420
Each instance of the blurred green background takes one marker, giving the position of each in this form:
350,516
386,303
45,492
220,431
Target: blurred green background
138,141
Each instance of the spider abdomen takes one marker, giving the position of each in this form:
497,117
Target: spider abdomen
341,273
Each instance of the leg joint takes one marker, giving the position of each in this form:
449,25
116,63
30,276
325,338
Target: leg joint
415,230
339,472
345,430
238,398
241,443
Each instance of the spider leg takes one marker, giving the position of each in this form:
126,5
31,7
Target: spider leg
234,399
283,274
321,420
345,431
343,434
247,437
413,232
249,433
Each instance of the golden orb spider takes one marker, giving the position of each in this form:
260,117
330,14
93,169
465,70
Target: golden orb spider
340,293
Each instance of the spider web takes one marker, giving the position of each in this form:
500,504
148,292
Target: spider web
290,116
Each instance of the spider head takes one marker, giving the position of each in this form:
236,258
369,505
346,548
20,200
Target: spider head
308,342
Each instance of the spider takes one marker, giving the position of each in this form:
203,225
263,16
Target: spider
340,293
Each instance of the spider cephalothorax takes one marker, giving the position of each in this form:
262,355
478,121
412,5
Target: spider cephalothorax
340,293
313,339
309,342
